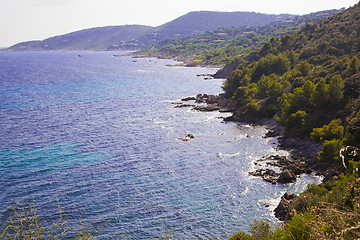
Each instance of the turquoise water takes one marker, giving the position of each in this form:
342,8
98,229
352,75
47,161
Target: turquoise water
100,134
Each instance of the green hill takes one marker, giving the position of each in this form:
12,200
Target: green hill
197,22
309,81
219,46
138,36
101,38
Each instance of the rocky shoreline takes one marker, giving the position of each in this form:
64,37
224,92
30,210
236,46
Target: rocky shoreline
302,152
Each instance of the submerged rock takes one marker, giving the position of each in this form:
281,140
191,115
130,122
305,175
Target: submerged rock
188,137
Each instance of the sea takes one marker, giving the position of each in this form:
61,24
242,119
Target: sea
100,135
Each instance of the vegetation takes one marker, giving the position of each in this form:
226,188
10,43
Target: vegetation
25,223
223,45
311,81
308,81
328,211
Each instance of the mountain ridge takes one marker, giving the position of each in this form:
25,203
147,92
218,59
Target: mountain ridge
130,37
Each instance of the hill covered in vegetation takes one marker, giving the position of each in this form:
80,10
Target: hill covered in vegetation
309,81
218,47
100,38
130,37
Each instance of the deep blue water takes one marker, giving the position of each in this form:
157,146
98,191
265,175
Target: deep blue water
99,133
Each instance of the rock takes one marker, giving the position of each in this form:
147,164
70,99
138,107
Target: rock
208,108
331,175
188,137
296,170
282,210
289,196
287,176
183,105
267,174
188,99
214,103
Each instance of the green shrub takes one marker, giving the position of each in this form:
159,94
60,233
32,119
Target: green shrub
299,122
333,130
252,109
354,65
241,236
24,223
260,230
299,226
329,155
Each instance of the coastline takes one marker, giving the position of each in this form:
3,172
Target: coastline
302,157
301,150
185,61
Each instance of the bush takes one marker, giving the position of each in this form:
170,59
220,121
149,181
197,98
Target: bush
25,223
299,226
329,155
260,230
333,130
241,236
299,123
252,109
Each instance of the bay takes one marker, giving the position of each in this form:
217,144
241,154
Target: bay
100,134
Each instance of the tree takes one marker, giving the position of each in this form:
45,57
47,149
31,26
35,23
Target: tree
304,68
321,94
329,155
353,66
299,123
336,90
333,130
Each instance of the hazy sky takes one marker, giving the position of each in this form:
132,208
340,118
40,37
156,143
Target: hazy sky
23,20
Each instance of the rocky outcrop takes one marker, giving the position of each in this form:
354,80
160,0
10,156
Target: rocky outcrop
303,152
283,209
300,148
289,168
287,176
208,103
188,137
268,175
214,103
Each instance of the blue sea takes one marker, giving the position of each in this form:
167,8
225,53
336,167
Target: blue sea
100,135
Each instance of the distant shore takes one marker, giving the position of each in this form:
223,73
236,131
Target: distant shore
187,61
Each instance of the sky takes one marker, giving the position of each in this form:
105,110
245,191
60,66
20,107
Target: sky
25,20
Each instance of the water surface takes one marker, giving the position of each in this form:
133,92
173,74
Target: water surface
100,134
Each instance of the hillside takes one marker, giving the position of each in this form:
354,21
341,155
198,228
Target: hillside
217,47
100,38
138,36
197,22
309,82
305,79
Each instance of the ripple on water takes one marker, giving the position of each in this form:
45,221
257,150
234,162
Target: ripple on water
99,135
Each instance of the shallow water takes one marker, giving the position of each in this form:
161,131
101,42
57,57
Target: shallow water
100,134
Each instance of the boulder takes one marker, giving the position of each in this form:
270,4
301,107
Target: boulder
283,209
287,176
296,169
188,99
268,175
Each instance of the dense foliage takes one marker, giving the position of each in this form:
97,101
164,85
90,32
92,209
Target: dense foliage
221,46
309,81
328,211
